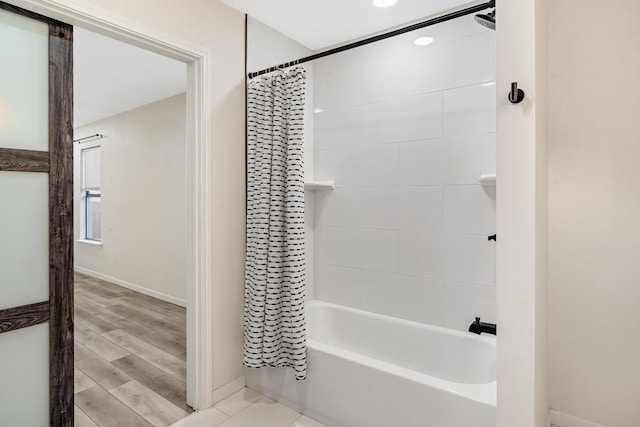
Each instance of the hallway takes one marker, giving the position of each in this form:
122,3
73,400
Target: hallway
130,357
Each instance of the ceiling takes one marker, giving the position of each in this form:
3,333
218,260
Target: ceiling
111,77
318,24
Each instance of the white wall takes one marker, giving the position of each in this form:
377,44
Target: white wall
406,132
143,200
265,48
594,209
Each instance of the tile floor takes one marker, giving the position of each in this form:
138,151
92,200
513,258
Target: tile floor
247,408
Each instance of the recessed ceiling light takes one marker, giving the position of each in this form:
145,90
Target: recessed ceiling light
318,110
423,41
384,3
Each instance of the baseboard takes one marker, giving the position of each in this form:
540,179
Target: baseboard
559,419
228,389
137,288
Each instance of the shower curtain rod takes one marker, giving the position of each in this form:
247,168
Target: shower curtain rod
423,24
87,138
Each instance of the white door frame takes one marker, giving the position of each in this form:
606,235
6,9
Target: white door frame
199,219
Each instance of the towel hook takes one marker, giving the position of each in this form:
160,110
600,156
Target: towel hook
516,95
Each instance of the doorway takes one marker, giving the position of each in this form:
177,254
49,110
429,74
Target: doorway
130,233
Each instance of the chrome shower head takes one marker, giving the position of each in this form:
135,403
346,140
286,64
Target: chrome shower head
488,20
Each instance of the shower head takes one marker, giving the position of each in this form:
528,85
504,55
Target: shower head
488,20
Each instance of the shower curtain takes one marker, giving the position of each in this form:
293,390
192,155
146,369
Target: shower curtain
274,324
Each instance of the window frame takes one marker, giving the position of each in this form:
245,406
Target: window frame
89,193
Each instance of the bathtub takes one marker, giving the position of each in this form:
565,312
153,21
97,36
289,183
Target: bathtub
370,370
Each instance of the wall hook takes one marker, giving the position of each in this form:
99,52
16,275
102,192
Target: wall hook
516,95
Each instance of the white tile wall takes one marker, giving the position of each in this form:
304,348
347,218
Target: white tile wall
468,157
469,258
420,208
421,254
343,166
379,207
341,285
461,27
422,162
409,118
372,84
379,165
467,209
446,65
422,297
340,207
364,248
468,61
405,133
460,300
337,128
402,208
337,246
469,110
378,249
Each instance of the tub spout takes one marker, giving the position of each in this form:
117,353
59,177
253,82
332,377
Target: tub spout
479,327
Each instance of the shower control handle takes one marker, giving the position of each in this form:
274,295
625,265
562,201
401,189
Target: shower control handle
516,95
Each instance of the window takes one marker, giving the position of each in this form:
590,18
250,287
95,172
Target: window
91,193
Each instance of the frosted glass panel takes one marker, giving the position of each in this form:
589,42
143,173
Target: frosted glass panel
24,238
24,86
24,369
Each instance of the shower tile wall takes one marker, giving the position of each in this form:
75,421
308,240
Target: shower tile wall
405,132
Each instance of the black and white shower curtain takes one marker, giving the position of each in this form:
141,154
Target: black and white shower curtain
274,323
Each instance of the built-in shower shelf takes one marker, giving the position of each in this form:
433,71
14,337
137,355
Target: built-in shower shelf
319,185
487,180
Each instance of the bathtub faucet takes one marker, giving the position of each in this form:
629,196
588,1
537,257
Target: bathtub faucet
479,327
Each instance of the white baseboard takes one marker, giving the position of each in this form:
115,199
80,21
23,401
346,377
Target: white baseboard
228,389
559,419
137,288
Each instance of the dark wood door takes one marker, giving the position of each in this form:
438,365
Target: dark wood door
36,219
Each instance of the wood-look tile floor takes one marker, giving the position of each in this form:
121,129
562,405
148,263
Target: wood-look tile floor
130,357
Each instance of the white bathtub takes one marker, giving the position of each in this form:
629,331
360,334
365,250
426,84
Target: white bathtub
369,370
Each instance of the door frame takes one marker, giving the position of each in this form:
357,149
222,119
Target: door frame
198,166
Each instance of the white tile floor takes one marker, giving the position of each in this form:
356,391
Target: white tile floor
247,408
